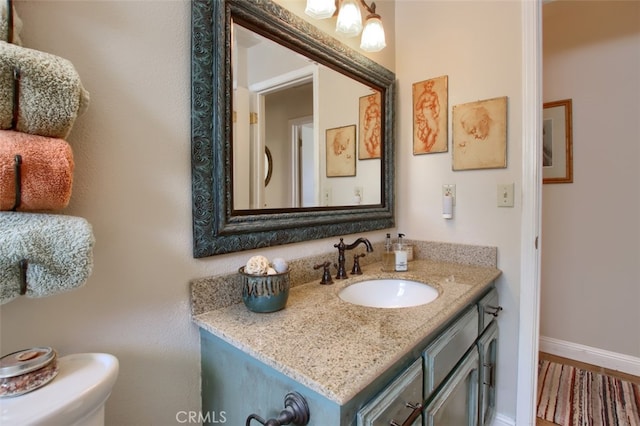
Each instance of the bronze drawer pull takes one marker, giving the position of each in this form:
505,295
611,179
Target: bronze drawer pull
496,310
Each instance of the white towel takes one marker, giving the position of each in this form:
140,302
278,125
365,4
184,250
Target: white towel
51,95
58,249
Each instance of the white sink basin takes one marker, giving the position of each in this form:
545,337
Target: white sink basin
389,293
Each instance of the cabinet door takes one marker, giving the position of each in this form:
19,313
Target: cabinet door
456,402
397,402
488,348
489,308
444,353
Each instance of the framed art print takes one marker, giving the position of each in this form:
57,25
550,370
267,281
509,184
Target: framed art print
480,135
341,151
557,142
430,111
370,135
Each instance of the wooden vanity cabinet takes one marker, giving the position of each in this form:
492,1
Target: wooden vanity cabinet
451,366
399,403
487,350
488,311
442,355
456,401
458,367
451,383
236,385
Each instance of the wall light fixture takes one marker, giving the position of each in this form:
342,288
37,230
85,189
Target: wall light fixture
350,20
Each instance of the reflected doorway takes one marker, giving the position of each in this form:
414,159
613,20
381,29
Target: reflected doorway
288,133
304,177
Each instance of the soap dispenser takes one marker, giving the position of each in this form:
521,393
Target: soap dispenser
388,257
400,252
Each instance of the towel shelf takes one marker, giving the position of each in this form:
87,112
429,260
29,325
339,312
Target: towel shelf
14,124
16,98
24,264
18,175
10,20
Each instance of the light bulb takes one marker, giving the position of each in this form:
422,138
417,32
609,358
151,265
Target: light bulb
373,39
320,9
349,19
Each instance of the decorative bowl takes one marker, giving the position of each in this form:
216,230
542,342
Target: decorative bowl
27,370
265,293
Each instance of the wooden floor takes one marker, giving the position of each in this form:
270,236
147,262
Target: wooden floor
588,367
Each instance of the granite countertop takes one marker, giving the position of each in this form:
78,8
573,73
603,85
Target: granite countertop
336,348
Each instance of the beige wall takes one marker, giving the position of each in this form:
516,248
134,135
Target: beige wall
591,228
132,152
478,46
133,184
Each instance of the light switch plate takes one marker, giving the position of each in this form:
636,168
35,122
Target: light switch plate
505,195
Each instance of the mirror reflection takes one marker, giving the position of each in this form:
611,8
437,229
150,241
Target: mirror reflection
321,128
345,189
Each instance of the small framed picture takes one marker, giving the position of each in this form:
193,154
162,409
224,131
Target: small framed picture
370,138
341,151
557,142
480,135
430,112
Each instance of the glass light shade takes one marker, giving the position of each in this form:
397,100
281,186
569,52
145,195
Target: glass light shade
320,9
349,19
373,39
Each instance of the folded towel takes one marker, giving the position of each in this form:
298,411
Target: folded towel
46,172
4,24
58,248
51,95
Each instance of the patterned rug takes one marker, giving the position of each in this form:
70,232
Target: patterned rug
571,396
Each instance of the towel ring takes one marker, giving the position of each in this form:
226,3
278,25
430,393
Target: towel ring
24,264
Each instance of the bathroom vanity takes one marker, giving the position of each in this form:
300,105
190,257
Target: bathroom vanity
357,365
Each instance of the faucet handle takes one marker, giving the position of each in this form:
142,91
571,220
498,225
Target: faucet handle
356,264
326,273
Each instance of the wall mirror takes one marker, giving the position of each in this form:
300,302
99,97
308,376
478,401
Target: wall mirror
264,80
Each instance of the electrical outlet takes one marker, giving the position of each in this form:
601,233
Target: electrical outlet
357,195
449,189
505,195
326,197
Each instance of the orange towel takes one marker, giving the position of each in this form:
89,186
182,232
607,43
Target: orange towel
46,171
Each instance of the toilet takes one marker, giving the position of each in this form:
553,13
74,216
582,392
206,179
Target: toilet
75,397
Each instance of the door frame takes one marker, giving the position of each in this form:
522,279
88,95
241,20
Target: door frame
529,332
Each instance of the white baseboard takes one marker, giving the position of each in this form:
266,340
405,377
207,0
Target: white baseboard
501,420
611,360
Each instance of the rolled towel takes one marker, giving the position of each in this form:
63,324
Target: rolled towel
5,21
51,95
46,172
58,249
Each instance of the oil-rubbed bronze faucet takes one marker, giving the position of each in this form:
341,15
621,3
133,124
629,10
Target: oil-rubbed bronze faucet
342,247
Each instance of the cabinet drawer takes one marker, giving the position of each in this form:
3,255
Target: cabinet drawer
444,353
396,401
489,308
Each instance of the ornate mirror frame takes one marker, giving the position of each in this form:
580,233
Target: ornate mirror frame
216,230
